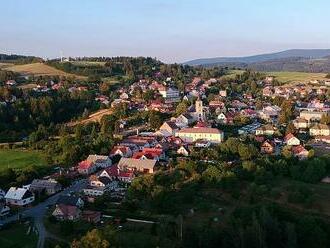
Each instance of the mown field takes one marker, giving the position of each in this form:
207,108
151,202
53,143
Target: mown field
18,158
38,69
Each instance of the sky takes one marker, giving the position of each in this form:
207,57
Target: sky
170,30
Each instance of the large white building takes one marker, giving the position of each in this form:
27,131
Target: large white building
19,196
190,135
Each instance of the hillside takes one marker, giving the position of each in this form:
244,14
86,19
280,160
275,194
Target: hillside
312,60
38,69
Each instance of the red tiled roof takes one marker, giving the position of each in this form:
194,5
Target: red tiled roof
83,165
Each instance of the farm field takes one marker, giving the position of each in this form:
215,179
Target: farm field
18,158
39,69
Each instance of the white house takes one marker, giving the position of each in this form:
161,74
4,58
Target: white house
100,161
291,140
19,196
184,120
319,130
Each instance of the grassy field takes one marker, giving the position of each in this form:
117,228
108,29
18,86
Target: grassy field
16,236
294,77
39,69
286,76
17,158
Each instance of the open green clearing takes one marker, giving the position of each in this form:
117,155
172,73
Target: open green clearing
16,236
293,77
19,158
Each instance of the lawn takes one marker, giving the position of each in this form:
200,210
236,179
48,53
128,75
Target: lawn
16,236
19,158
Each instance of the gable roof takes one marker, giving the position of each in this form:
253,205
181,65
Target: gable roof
18,193
136,163
68,200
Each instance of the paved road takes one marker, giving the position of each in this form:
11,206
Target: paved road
38,212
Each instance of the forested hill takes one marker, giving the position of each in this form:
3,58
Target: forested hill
304,60
19,59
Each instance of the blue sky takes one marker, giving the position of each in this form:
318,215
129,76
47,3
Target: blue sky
171,30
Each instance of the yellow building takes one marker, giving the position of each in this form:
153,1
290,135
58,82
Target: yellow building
190,135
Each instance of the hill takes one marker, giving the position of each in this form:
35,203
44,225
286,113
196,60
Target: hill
303,53
39,69
303,60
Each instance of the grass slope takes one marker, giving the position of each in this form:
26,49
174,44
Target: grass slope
17,158
39,69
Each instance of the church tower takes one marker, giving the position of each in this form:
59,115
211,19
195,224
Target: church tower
200,110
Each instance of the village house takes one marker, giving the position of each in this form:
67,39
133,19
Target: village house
183,150
190,135
2,194
114,173
66,212
291,140
19,197
170,94
70,200
48,186
225,118
150,153
300,152
268,147
100,161
319,130
123,151
269,113
184,120
86,167
144,166
4,209
301,123
168,128
311,116
91,216
267,130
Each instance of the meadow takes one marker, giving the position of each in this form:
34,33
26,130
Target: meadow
19,158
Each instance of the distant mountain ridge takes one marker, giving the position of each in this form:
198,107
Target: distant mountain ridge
301,53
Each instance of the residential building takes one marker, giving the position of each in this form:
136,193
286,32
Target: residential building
48,186
114,173
267,130
299,152
66,212
301,123
169,128
70,200
319,130
145,165
123,151
190,135
291,140
268,147
19,196
183,151
100,161
91,216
